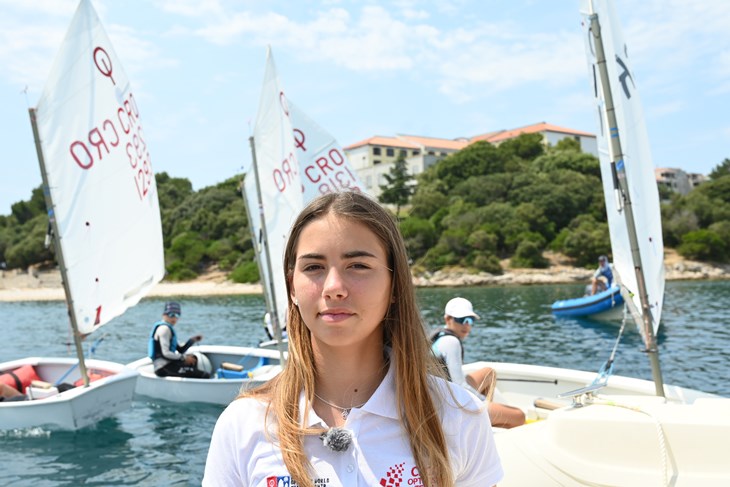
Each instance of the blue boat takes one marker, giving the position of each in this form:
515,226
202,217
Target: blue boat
609,301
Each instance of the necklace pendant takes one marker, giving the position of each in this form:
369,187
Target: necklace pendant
345,413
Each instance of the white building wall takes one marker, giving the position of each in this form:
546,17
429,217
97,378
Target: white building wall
588,145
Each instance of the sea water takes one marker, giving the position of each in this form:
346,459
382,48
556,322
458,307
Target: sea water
165,444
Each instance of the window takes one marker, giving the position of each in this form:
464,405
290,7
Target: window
402,152
415,152
376,151
431,153
376,161
443,154
390,152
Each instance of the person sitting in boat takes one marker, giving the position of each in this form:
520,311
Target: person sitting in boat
10,393
603,277
447,345
168,357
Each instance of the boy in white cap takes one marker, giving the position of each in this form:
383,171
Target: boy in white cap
459,316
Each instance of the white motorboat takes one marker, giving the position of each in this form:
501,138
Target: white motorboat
595,429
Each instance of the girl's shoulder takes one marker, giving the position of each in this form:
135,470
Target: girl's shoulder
246,411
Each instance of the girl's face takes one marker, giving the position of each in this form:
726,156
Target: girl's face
341,283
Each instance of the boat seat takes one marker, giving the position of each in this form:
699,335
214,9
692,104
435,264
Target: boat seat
550,405
231,366
229,370
39,389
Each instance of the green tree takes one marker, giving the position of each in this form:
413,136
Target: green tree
585,239
703,244
566,144
477,159
428,199
419,235
399,185
529,255
568,159
525,146
722,169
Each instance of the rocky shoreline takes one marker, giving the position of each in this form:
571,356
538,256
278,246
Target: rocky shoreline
37,285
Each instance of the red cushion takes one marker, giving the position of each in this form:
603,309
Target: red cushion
25,375
92,377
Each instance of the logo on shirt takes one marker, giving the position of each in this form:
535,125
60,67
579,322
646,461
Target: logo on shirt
394,477
284,481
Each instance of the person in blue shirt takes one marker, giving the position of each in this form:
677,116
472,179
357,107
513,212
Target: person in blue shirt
603,277
167,355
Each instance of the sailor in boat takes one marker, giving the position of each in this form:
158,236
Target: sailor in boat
167,355
603,277
10,393
355,403
447,345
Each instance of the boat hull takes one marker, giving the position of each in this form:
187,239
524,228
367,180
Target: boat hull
625,436
214,390
606,304
75,408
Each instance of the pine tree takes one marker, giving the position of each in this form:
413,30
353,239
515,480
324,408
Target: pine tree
398,188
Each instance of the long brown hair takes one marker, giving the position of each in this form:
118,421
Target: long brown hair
403,332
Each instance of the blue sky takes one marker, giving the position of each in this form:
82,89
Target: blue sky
364,68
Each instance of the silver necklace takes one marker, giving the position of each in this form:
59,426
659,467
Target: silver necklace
345,412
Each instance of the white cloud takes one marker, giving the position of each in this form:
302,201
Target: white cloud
192,8
676,40
374,39
39,8
499,64
26,51
669,107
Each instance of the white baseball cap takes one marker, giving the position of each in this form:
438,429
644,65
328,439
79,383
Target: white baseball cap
459,308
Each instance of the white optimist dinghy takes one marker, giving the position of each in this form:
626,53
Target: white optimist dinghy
232,369
105,220
599,429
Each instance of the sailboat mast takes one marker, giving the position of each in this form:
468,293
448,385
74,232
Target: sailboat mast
619,172
57,248
269,294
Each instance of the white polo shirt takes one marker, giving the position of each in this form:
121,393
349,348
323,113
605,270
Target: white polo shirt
241,455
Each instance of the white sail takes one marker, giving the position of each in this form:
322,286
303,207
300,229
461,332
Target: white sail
279,181
324,167
99,176
635,161
297,161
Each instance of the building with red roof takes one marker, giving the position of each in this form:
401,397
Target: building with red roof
374,157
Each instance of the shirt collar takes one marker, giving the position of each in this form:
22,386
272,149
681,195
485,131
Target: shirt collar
382,402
